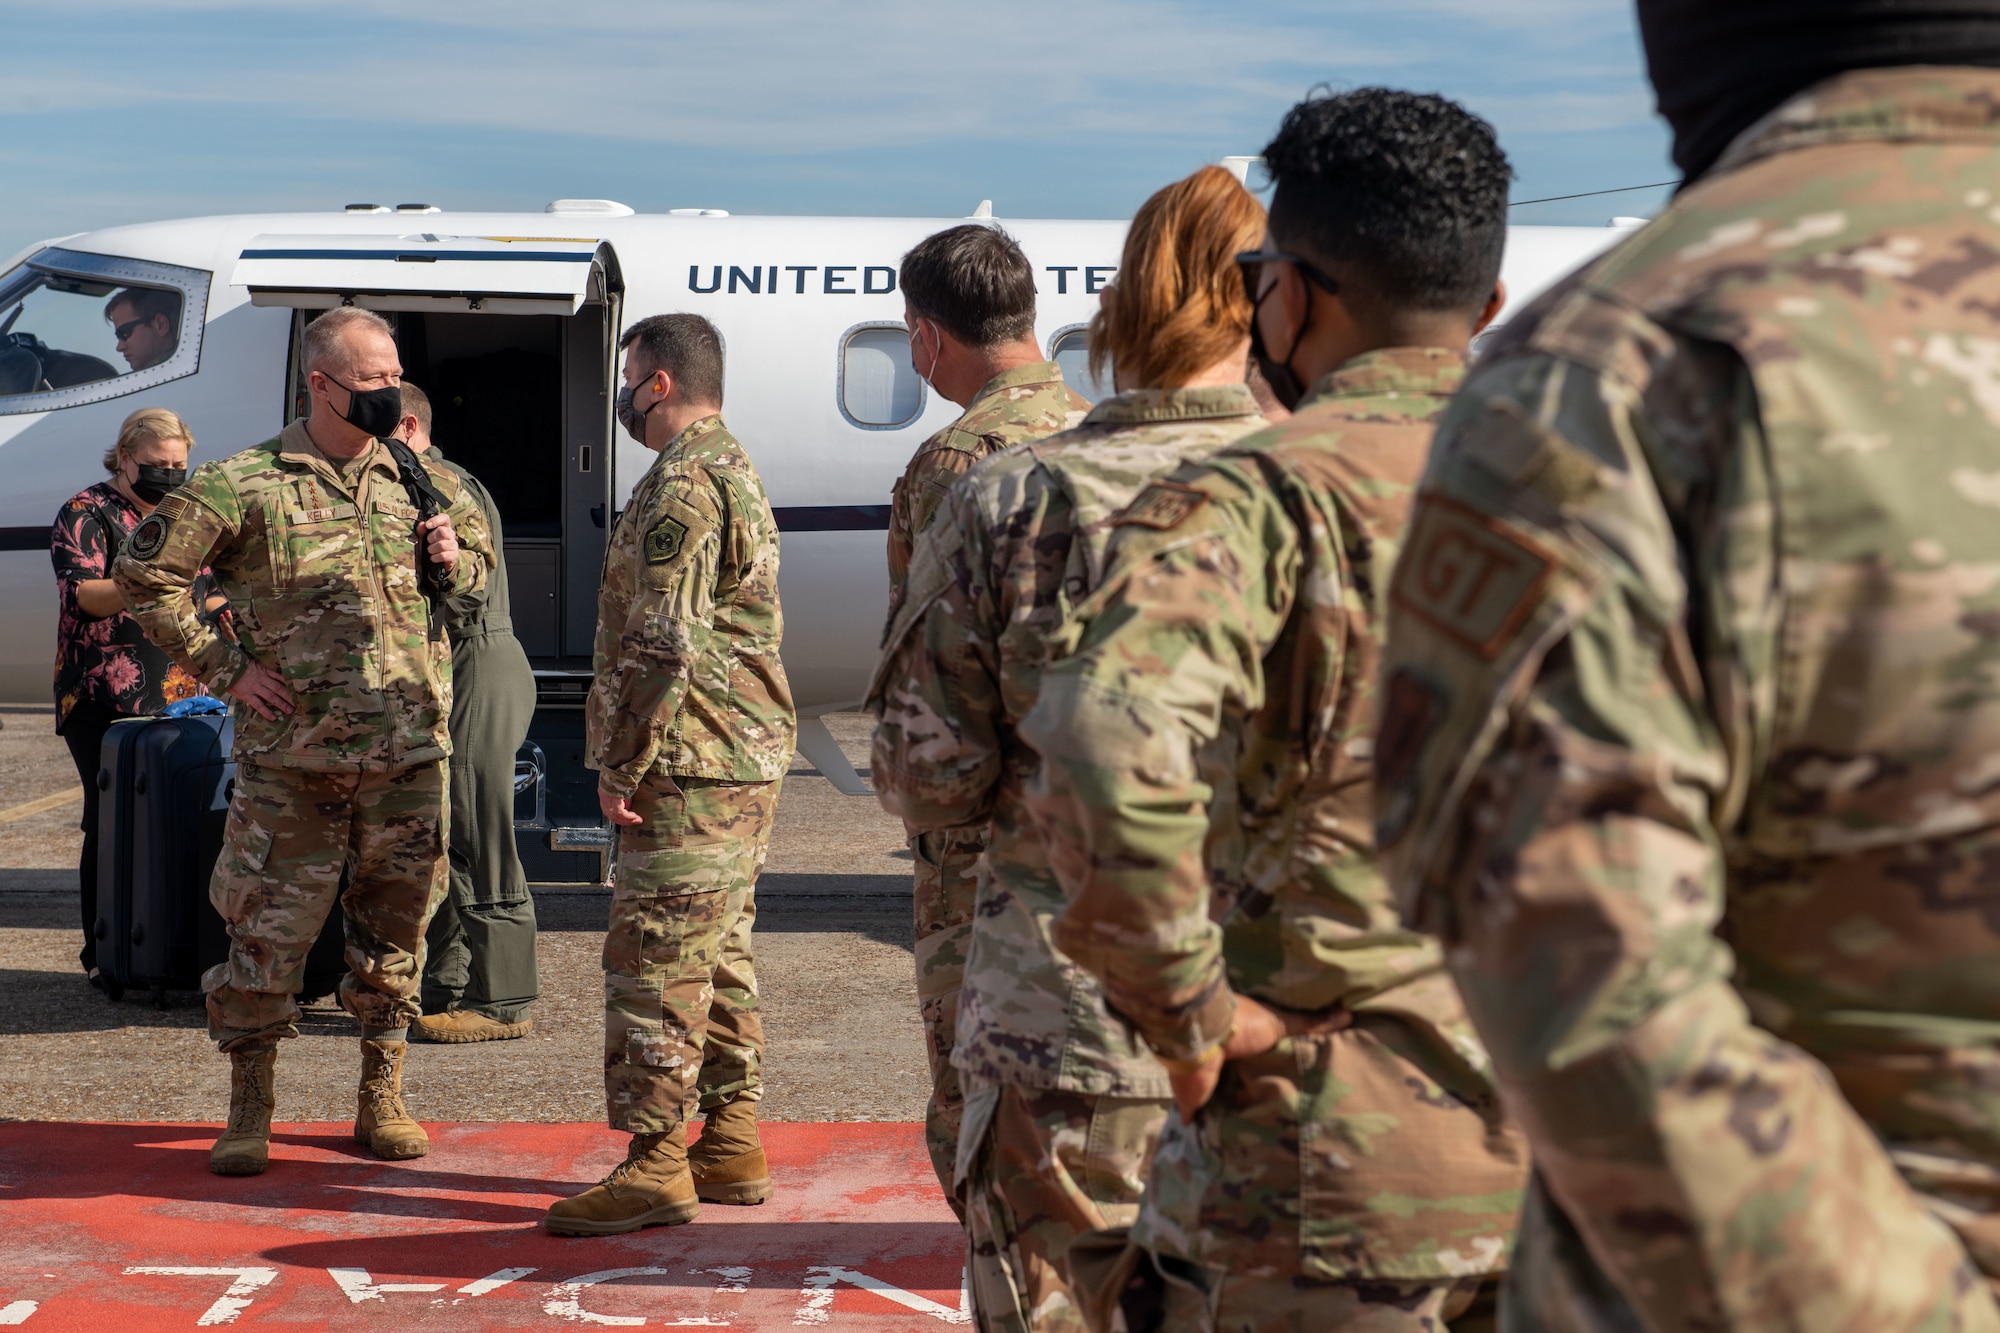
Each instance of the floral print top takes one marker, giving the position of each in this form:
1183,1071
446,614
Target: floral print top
105,659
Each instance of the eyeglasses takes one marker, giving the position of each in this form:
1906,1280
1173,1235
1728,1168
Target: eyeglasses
1251,265
124,331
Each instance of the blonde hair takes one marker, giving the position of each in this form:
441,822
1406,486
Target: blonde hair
148,423
1178,304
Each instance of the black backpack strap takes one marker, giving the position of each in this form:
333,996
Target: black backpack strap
429,504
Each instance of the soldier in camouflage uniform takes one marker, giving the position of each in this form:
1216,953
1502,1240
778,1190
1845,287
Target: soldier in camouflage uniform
969,301
480,977
1692,641
1206,792
343,693
1062,1101
690,730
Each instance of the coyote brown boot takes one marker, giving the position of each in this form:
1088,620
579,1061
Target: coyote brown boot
727,1161
463,1025
380,1120
245,1146
650,1188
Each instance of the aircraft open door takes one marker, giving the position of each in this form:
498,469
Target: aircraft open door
515,341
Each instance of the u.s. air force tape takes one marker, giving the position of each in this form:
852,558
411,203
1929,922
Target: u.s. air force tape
665,541
148,537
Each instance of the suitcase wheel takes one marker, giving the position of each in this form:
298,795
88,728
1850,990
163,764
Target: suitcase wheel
113,991
160,997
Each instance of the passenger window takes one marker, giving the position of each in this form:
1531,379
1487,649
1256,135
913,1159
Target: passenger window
1070,349
879,388
76,328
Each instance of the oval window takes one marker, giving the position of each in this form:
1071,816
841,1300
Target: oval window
879,388
1070,349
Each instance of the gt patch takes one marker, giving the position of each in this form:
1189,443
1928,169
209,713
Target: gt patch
148,538
1470,577
1162,505
665,541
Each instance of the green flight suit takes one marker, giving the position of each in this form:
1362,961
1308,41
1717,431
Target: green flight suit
482,940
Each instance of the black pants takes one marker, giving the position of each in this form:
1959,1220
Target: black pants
83,731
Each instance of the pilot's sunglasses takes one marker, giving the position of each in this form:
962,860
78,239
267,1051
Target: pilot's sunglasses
124,331
1251,263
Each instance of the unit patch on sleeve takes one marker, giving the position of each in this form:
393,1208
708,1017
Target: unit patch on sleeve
1469,576
665,541
148,537
1162,505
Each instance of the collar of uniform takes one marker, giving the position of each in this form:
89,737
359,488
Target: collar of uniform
1931,103
692,432
1388,371
295,445
1034,372
1203,404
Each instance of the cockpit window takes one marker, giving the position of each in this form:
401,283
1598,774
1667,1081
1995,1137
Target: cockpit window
76,328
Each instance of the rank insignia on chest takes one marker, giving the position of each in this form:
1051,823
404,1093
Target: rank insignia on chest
665,540
1162,505
148,537
1470,577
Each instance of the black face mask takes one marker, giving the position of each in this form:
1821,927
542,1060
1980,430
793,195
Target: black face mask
1284,382
377,411
154,483
630,417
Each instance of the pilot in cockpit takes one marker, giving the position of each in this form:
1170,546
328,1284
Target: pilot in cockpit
146,321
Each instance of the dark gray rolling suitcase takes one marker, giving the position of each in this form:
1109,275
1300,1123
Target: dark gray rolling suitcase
166,784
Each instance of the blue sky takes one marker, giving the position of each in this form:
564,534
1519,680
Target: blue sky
114,112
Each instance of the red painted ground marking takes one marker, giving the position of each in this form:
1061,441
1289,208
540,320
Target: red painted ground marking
117,1228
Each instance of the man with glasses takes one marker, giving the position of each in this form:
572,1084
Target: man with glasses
969,302
1340,1160
146,323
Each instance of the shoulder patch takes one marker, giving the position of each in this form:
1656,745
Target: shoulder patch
172,506
147,539
1162,505
665,540
1469,576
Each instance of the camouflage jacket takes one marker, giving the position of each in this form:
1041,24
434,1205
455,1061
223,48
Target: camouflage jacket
1025,403
688,624
1205,783
1014,548
1207,795
322,584
1698,624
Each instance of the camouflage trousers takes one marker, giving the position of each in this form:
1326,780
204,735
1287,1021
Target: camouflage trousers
681,1027
290,835
1040,1170
1374,1153
944,884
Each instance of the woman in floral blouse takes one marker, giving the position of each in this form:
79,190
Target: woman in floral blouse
106,668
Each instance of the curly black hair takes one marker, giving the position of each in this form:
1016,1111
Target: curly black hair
1403,196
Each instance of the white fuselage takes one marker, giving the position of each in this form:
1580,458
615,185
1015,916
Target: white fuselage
827,475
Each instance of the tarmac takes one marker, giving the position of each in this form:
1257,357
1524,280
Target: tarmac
115,1223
